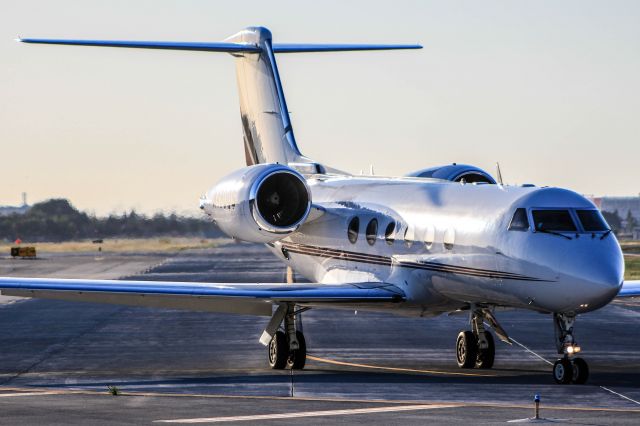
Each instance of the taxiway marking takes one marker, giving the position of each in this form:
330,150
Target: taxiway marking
297,415
10,395
550,363
530,351
405,370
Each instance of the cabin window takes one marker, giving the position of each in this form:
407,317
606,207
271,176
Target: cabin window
592,221
519,221
389,233
553,220
429,236
372,231
408,236
353,230
449,238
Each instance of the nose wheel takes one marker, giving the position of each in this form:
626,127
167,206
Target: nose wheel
569,369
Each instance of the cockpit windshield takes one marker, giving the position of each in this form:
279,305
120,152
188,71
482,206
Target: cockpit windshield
592,221
553,220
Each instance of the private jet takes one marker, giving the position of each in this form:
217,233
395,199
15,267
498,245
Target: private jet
442,240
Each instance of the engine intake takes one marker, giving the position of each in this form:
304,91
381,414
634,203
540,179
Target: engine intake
281,200
260,203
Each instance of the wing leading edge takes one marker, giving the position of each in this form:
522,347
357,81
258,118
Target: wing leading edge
253,299
630,289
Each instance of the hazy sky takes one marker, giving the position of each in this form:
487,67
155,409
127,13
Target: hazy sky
549,89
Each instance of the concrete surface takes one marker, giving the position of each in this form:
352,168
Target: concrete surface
57,359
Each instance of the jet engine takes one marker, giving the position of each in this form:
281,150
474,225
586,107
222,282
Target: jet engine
456,173
261,203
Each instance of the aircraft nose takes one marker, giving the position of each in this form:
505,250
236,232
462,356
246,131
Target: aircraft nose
598,276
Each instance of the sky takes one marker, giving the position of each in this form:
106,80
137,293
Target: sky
549,89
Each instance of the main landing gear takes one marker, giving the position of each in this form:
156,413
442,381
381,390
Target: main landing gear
568,369
286,348
476,348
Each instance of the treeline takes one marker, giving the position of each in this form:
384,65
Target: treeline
58,220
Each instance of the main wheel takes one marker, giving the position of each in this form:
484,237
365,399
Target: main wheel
486,356
278,351
562,371
580,371
466,349
298,357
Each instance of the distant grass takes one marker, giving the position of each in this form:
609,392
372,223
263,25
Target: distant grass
632,268
630,246
155,245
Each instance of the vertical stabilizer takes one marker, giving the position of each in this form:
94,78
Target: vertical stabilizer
268,135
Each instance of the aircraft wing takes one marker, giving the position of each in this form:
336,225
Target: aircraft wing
252,299
630,289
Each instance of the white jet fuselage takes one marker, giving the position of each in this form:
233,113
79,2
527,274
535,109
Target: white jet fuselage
451,246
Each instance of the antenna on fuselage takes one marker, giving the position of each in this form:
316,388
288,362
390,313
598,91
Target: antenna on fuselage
499,174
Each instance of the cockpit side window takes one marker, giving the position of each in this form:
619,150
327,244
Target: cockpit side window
592,221
519,221
553,220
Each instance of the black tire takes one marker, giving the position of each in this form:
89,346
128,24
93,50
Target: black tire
562,371
278,351
298,357
466,349
580,372
486,356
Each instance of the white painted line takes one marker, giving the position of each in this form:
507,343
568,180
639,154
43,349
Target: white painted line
620,395
308,414
550,363
9,395
530,351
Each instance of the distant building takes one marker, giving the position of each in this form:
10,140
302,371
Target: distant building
8,210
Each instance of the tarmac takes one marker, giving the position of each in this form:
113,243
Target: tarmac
58,359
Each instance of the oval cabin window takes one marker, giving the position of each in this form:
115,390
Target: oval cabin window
408,236
429,237
372,231
388,233
449,238
353,230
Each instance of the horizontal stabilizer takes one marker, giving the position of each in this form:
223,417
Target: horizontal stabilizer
166,45
222,46
253,299
301,48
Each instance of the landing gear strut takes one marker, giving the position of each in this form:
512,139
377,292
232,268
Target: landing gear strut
476,348
286,348
568,369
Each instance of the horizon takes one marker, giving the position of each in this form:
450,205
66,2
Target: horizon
122,129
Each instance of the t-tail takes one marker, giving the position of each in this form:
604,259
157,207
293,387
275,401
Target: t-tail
266,125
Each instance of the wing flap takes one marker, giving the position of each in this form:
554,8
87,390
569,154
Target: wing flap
251,299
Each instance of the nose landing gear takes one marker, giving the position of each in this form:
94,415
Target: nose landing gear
568,369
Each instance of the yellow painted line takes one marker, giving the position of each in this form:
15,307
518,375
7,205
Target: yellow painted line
452,404
404,370
297,415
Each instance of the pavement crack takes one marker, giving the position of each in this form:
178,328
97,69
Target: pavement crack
58,348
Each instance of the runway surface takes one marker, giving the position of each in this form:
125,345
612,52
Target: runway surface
58,358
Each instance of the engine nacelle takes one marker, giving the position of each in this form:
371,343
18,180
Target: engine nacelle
456,173
261,203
